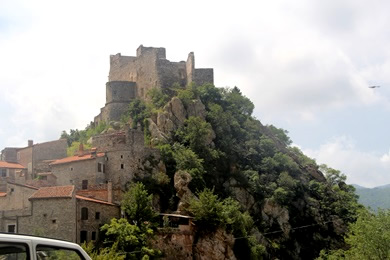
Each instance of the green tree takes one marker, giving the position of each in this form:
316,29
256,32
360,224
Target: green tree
367,238
130,239
137,204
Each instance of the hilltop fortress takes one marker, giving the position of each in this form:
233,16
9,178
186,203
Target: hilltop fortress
132,77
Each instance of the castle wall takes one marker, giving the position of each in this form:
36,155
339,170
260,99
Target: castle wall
126,155
149,69
171,72
203,76
120,91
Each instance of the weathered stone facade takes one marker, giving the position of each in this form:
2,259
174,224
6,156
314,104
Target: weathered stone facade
14,204
75,170
33,156
132,77
66,216
127,157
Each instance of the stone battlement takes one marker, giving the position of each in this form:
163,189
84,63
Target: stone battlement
132,77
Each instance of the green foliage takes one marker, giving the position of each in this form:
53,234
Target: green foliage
74,148
137,204
138,111
195,134
158,97
106,253
368,238
281,134
82,136
130,239
187,160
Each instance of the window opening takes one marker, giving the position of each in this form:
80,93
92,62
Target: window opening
84,213
84,184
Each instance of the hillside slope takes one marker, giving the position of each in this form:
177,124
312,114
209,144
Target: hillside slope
374,198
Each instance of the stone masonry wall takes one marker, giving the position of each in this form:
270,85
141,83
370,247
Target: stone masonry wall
106,213
17,198
50,150
54,218
73,173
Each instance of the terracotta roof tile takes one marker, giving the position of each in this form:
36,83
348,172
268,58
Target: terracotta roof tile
4,164
23,185
76,158
53,192
94,200
3,194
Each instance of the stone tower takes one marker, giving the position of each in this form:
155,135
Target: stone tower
132,77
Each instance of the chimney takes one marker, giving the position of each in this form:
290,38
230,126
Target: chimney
30,143
93,152
109,191
81,149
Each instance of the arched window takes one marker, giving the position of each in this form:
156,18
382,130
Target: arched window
84,213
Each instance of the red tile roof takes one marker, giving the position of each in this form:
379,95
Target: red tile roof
94,200
3,194
4,164
76,158
23,185
54,192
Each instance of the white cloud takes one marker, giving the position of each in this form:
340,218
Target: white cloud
364,168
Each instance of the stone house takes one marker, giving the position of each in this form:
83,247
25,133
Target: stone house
35,157
12,172
82,171
57,212
14,204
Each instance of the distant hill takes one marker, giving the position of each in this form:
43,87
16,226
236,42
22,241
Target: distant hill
378,197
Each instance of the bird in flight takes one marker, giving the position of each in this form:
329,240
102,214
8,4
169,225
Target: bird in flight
374,86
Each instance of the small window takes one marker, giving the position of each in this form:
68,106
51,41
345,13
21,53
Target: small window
84,184
53,221
71,169
122,166
121,156
97,215
11,228
93,235
83,236
84,213
3,172
104,168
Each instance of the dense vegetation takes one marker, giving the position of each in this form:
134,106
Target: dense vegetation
246,155
293,211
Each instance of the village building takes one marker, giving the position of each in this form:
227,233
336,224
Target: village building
35,157
14,204
83,170
12,172
58,212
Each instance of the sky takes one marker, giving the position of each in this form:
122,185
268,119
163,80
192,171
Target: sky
305,64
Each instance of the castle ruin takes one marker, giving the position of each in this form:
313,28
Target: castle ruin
132,77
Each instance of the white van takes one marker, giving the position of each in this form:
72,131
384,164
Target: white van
24,247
